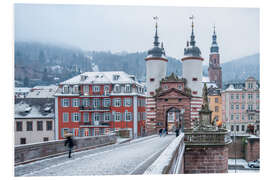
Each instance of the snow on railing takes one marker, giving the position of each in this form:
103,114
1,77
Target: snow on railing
168,161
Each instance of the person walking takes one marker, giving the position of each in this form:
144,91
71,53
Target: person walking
69,142
164,132
177,132
160,132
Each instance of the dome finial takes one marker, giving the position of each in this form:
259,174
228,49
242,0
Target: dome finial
192,37
156,43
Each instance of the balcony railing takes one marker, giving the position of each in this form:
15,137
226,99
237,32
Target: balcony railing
252,111
91,108
95,123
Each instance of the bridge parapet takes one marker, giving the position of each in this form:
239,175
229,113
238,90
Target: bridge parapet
171,159
37,151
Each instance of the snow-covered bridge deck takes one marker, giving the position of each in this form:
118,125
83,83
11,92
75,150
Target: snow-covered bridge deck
133,157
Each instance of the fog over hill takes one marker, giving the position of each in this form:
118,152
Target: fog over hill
41,64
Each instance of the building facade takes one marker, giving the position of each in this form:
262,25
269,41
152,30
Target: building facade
215,104
241,107
95,103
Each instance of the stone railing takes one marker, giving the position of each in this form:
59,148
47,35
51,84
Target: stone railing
171,159
37,151
221,137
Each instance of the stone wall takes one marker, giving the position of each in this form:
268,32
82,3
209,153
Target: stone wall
38,151
206,159
252,149
237,147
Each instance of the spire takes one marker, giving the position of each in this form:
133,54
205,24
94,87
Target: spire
214,47
156,43
192,37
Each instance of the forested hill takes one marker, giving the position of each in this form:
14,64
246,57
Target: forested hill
43,64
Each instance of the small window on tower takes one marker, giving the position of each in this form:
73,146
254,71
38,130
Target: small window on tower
152,79
194,79
194,92
152,93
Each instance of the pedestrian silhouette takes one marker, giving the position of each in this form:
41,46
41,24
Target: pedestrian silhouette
69,142
160,132
177,132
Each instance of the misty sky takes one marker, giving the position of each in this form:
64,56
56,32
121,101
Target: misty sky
131,28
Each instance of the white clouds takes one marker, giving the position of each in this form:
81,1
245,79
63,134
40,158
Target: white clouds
131,28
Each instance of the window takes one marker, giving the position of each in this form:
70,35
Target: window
243,96
237,106
107,116
152,79
195,92
250,85
180,87
96,102
117,102
237,116
45,139
107,102
117,88
40,126
216,108
237,96
65,102
106,89
243,106
232,107
75,102
86,89
232,96
127,88
250,96
258,96
75,89
85,102
22,140
118,116
48,125
128,116
237,128
232,117
194,79
65,89
243,127
166,100
65,117
75,117
165,87
29,126
64,131
179,100
128,102
250,117
232,128
85,117
250,107
152,93
96,89
115,77
216,100
243,117
19,126
258,107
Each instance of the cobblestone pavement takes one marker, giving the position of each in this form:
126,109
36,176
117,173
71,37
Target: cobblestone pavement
129,158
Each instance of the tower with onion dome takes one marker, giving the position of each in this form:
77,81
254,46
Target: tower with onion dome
192,65
214,69
156,65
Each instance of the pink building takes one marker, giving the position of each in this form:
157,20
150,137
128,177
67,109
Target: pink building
241,107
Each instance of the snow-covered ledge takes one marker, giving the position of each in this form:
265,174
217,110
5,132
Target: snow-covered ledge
168,158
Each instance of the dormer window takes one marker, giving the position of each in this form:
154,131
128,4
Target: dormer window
86,89
83,77
96,89
65,89
117,88
75,89
106,89
116,77
127,88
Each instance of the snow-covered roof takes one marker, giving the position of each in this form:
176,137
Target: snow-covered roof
22,90
205,79
231,88
42,92
106,77
25,111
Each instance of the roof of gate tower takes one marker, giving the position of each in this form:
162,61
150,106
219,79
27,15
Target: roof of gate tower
156,51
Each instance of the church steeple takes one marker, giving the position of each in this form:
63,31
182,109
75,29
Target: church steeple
214,48
156,43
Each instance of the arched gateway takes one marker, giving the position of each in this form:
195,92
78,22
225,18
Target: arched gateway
173,103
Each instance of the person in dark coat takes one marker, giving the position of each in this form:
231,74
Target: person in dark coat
69,142
160,132
177,132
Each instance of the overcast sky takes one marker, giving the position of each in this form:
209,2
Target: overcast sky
131,28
